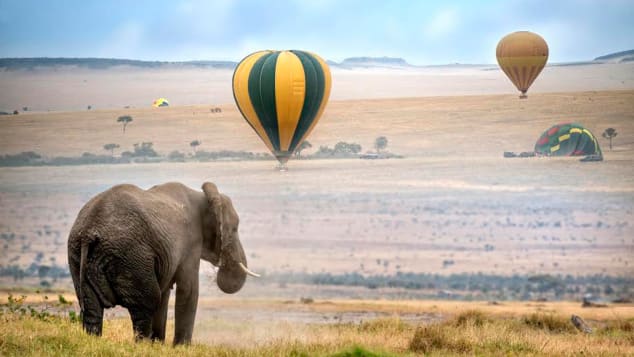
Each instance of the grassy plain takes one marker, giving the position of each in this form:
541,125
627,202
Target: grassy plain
453,198
465,329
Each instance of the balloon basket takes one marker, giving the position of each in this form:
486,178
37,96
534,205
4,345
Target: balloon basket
523,96
281,167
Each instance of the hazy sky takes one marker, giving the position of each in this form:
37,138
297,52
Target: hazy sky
422,32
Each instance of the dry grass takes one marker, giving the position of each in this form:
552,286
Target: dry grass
415,126
473,332
415,212
476,328
536,334
615,312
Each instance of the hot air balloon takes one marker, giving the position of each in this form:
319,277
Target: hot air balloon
160,102
570,139
522,55
282,94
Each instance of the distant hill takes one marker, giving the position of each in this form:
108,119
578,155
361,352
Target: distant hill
383,62
103,63
624,56
348,63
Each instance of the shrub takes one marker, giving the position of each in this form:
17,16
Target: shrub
144,149
25,158
437,337
358,352
383,325
548,322
619,326
471,317
176,156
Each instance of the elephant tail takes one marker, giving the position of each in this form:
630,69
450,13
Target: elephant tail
95,293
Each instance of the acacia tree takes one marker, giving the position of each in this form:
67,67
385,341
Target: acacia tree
195,144
380,143
609,133
111,147
125,119
304,145
345,148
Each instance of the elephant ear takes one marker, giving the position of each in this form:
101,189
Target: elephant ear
216,207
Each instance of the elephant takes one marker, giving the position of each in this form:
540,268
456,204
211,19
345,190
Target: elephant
130,246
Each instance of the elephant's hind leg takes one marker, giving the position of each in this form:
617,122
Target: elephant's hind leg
132,277
159,319
141,323
92,312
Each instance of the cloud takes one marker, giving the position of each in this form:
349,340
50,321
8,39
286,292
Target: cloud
124,41
444,22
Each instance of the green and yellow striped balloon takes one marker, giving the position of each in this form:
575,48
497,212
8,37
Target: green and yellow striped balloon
282,94
569,139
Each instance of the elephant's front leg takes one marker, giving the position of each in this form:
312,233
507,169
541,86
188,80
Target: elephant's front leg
160,317
186,303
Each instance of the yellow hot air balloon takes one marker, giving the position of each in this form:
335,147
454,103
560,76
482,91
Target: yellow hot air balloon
160,102
282,94
522,55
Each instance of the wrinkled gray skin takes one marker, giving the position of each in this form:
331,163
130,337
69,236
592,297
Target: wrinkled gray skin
129,247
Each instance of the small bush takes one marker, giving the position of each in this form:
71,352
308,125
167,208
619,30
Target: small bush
22,159
144,149
471,317
62,300
176,156
549,322
382,325
438,337
358,352
306,300
619,326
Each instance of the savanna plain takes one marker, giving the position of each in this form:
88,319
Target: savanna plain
359,257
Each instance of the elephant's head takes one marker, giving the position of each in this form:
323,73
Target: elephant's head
222,245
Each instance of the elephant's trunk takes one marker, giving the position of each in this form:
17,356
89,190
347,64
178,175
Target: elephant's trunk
231,276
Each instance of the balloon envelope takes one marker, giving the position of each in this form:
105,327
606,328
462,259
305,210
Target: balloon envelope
282,95
160,102
570,139
522,55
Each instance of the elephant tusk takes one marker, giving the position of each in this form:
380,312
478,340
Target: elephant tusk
249,272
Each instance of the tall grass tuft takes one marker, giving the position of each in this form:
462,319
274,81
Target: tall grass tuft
438,337
549,322
359,352
471,317
391,324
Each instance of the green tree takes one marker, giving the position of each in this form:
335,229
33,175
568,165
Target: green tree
144,149
304,145
42,271
380,143
111,147
609,133
194,144
347,148
176,156
125,119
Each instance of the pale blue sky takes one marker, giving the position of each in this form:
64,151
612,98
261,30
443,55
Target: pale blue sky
422,32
